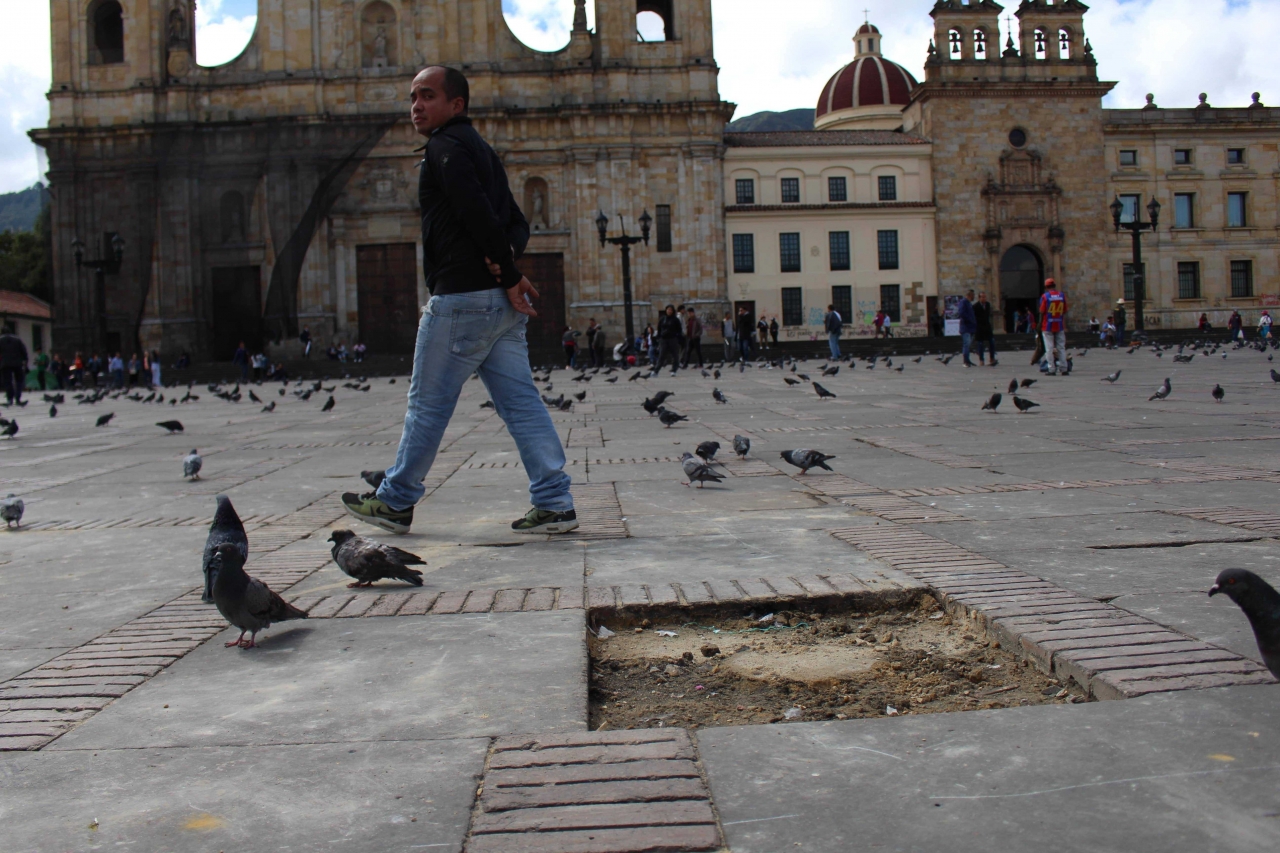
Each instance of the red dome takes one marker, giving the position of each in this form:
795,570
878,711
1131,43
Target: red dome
867,29
870,80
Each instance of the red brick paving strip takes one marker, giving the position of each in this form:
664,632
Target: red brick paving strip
1098,646
594,792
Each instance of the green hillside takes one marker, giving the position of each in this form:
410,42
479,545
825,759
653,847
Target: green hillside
18,211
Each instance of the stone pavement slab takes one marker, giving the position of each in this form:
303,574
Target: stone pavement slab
1191,771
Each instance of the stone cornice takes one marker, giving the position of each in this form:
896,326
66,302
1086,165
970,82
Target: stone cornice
1010,88
847,205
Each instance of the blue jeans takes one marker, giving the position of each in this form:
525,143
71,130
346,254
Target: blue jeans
744,348
1120,334
966,340
461,334
833,341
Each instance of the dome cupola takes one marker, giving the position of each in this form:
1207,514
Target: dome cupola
868,93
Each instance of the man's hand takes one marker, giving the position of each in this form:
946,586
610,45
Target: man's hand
519,296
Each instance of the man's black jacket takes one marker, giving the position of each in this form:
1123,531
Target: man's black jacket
468,213
13,352
982,314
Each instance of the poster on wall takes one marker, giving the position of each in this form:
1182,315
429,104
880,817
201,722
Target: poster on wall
951,316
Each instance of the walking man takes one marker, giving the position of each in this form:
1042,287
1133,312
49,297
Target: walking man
13,366
833,323
1053,325
472,232
986,331
1121,318
692,336
730,331
968,325
746,329
592,328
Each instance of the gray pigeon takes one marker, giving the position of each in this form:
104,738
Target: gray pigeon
707,450
697,472
741,446
368,561
245,602
1163,391
1112,377
806,459
718,396
1261,604
226,529
11,509
191,465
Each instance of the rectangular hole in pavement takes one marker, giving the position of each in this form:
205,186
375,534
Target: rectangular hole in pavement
728,667
1181,544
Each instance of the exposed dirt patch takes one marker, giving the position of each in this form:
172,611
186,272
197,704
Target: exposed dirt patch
806,666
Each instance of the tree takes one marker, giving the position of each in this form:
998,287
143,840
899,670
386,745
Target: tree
25,259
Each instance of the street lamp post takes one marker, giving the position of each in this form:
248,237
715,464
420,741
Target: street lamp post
101,267
625,243
1136,227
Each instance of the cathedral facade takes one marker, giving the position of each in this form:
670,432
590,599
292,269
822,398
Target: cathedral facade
196,207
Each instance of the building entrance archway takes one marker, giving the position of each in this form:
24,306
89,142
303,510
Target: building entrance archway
1021,282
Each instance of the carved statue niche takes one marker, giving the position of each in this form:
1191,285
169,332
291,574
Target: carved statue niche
378,41
177,33
231,217
537,204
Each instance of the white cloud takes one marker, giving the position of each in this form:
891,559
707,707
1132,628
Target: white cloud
772,56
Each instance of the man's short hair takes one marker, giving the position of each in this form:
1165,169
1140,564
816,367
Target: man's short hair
456,86
831,307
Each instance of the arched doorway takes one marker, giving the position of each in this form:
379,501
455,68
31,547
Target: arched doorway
1021,282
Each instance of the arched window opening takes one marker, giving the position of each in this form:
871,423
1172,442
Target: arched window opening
979,44
1041,45
1064,44
106,33
955,44
378,40
655,21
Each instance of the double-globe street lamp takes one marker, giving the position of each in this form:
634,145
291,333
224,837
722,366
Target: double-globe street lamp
625,243
101,267
1136,227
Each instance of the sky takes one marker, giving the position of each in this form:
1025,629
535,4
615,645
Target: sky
1174,49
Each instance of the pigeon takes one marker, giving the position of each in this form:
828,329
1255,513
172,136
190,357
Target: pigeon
280,391
328,405
225,530
171,426
802,376
790,381
831,371
10,429
245,602
1275,377
1027,383
1023,404
706,374
11,509
822,392
566,405
1112,377
368,561
612,379
103,420
1218,393
741,446
53,410
1261,604
270,407
1163,391
718,396
373,478
669,417
707,450
716,373
254,397
1013,386
806,459
697,472
487,404
993,402
580,396
635,376
947,360
191,465
917,359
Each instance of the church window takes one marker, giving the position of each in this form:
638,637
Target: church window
1017,137
1182,157
1129,157
745,190
1128,280
1235,156
789,251
792,306
1129,206
955,43
1241,279
106,33
1184,210
837,189
842,301
887,248
664,227
888,188
1236,210
790,190
1041,44
744,253
979,44
838,243
1188,279
1064,44
891,301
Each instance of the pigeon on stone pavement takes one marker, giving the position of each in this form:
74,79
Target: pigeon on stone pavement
993,402
270,407
741,446
669,417
328,405
831,371
635,376
718,396
1261,604
805,459
1023,404
254,397
11,509
802,376
1027,383
225,530
822,392
1013,386
368,561
1218,393
171,426
654,403
1163,391
245,602
373,478
707,450
698,472
191,465
790,381
947,360
1112,377
1275,377
103,420
580,396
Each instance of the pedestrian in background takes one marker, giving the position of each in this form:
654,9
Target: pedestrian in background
729,329
155,368
116,367
986,334
42,368
832,324
773,329
1264,326
968,325
1235,325
1053,327
569,340
762,328
134,366
13,366
668,340
305,339
592,328
598,346
693,337
1121,318
746,332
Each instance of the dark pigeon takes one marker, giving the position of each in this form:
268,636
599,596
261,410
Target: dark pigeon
707,450
1013,386
669,417
10,429
1275,377
245,602
254,397
171,426
822,392
580,396
1218,393
103,420
1023,404
741,446
1261,604
226,529
367,561
718,396
831,371
790,381
1027,383
53,411
993,402
328,405
11,509
806,459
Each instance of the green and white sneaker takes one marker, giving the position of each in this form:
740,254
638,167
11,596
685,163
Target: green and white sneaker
546,521
369,509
